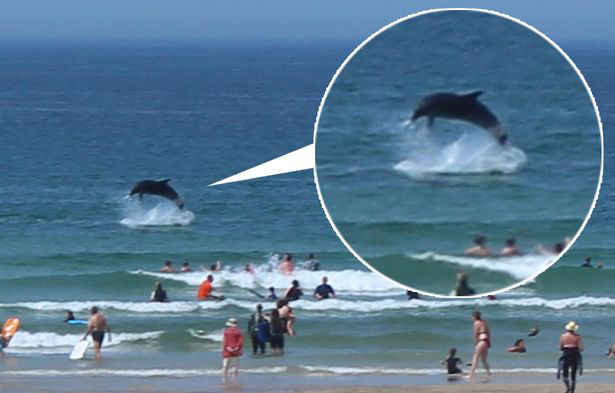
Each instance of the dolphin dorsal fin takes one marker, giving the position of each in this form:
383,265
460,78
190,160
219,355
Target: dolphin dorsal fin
164,181
473,95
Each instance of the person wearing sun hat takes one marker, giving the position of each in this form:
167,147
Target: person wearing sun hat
571,344
232,348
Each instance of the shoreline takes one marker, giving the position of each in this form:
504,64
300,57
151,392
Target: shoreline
602,382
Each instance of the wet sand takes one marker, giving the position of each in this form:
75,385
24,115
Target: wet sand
468,388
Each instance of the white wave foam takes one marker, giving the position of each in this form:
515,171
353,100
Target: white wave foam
164,213
473,152
143,373
311,371
212,336
50,342
519,267
338,304
138,307
342,280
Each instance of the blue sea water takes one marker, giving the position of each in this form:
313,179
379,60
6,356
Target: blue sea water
80,125
410,199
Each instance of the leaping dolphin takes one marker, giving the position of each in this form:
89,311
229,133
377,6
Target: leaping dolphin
157,187
464,107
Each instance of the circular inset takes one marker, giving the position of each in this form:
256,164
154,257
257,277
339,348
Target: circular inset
456,144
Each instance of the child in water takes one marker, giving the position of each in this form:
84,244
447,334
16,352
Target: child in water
452,362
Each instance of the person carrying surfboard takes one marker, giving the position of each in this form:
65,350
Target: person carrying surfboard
97,327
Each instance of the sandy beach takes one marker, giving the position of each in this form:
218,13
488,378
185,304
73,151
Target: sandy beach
473,388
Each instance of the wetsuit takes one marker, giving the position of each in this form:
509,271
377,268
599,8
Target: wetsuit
294,294
324,291
159,295
257,344
451,365
569,363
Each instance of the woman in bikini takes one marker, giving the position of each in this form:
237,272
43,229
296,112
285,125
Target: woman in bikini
482,338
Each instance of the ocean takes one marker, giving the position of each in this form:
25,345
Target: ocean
410,198
80,124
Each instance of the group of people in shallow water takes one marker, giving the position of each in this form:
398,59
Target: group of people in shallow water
510,248
569,364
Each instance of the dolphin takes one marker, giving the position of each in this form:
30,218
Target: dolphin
157,187
464,107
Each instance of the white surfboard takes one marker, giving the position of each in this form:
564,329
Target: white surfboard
79,350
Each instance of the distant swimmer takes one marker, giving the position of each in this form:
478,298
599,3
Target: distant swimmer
452,363
412,295
205,290
168,268
157,187
312,263
324,290
510,248
480,248
294,292
463,286
557,249
464,107
272,296
97,327
249,268
534,332
518,347
482,339
599,265
587,262
571,361
71,320
287,265
611,352
185,267
159,294
70,316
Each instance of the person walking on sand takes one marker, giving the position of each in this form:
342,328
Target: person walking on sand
97,326
232,348
482,338
571,345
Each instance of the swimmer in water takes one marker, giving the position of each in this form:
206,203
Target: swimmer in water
185,267
510,248
313,264
452,363
518,347
287,265
480,248
587,262
272,296
168,268
294,292
463,286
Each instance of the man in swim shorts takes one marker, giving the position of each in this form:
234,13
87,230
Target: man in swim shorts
97,326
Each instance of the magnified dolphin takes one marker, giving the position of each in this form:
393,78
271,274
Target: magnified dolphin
464,107
157,187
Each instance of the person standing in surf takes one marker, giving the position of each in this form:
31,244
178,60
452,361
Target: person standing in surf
571,345
97,327
482,339
232,348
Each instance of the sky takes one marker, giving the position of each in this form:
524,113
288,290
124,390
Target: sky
273,20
